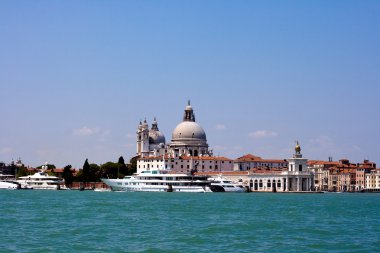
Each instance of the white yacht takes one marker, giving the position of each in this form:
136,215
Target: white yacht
161,181
40,181
9,185
227,185
7,182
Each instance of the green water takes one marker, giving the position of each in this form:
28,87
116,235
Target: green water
73,221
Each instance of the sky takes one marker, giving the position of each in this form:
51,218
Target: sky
76,77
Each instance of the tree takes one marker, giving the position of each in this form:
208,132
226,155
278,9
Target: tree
121,160
68,175
123,170
22,171
86,171
94,173
110,169
133,165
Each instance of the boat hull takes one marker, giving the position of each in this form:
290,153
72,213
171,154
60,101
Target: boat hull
8,186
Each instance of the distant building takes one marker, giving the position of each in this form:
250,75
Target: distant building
10,169
321,171
340,175
373,180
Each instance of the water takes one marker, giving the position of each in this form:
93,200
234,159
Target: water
74,221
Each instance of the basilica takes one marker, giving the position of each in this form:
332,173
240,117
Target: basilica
187,151
188,138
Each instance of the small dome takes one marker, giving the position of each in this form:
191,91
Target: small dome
156,137
188,130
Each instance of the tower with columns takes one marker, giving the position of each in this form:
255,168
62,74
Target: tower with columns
143,138
297,163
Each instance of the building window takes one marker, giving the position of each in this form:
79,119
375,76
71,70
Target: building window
300,167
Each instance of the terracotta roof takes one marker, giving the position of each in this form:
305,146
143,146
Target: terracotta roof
206,158
248,158
318,162
273,161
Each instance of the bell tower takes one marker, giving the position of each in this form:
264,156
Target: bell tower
143,139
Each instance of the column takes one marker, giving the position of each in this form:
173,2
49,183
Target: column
298,184
287,184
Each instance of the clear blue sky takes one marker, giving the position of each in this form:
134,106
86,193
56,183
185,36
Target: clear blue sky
77,76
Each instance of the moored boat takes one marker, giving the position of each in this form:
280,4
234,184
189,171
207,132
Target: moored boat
40,181
227,185
9,185
160,181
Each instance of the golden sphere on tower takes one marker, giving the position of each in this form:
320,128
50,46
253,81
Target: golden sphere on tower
298,148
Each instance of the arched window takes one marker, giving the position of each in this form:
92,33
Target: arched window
279,183
261,183
268,183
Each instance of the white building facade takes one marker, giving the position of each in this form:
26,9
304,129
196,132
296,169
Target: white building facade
296,178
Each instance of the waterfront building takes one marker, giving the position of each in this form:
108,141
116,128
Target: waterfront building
362,170
185,164
321,171
340,175
297,177
187,152
373,180
249,161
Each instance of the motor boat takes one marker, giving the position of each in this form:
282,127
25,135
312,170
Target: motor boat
227,185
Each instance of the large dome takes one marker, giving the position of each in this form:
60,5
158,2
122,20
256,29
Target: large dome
188,131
